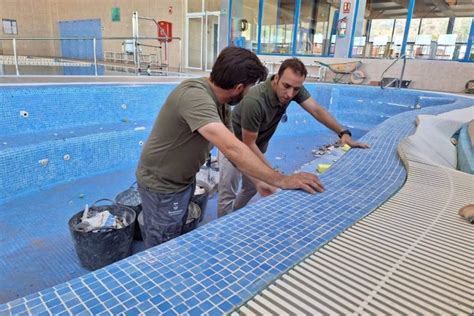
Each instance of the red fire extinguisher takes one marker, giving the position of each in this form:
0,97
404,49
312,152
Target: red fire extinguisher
342,27
165,31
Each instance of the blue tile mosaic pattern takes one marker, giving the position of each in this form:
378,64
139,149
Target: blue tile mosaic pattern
215,268
104,130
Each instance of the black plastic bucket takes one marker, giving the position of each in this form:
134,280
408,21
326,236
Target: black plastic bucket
131,198
192,221
201,199
104,246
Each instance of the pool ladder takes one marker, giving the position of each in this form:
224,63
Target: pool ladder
404,57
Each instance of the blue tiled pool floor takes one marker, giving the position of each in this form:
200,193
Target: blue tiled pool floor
35,245
37,250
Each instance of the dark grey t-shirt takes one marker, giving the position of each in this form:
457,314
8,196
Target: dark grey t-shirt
175,150
260,112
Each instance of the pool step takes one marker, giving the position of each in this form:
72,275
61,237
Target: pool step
37,165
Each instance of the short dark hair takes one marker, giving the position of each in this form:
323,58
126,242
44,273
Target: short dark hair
236,65
294,64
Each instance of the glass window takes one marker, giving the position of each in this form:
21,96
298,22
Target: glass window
381,34
461,28
9,27
244,29
434,27
277,26
316,27
414,29
443,29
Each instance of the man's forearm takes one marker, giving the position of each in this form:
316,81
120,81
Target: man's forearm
259,154
327,120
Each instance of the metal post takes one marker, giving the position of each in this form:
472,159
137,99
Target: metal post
467,55
16,57
260,23
136,51
411,7
403,71
353,28
94,44
295,29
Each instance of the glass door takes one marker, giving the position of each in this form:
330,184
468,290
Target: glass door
212,38
194,49
202,33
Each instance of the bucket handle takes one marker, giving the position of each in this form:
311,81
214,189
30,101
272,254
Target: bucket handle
102,200
113,203
116,204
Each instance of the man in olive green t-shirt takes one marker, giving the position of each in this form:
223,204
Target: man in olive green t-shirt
256,119
194,116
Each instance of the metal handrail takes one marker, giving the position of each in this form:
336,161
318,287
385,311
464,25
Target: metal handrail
94,45
404,57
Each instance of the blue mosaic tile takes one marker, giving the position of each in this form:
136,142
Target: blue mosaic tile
165,306
18,309
57,309
134,311
130,303
144,306
77,309
196,311
181,308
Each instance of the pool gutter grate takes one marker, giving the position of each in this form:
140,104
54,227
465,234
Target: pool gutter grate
412,255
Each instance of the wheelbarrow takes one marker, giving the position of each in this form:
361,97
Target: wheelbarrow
344,70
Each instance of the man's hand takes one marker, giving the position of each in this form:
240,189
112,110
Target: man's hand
302,180
264,189
347,139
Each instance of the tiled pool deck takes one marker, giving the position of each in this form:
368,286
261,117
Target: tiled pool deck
219,266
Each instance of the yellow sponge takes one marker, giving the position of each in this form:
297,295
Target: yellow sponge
323,167
346,147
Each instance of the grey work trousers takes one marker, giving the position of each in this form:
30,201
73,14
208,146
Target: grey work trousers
230,198
164,214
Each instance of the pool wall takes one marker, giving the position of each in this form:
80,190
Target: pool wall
58,133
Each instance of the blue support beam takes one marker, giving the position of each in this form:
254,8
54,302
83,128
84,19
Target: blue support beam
260,20
353,30
296,20
229,36
411,7
469,43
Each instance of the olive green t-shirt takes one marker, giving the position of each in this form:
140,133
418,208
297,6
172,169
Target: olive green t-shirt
260,112
175,151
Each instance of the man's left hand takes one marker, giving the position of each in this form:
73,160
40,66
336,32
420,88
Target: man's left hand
347,139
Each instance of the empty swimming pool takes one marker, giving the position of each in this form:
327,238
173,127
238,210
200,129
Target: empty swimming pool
64,146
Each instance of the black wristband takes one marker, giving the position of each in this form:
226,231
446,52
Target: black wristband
346,131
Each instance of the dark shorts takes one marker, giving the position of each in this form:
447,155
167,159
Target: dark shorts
164,214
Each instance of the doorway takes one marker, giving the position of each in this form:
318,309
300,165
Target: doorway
202,32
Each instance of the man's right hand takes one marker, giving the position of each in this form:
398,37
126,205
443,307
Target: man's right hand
302,180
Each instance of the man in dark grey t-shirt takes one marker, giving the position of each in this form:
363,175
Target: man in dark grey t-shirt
194,116
256,119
